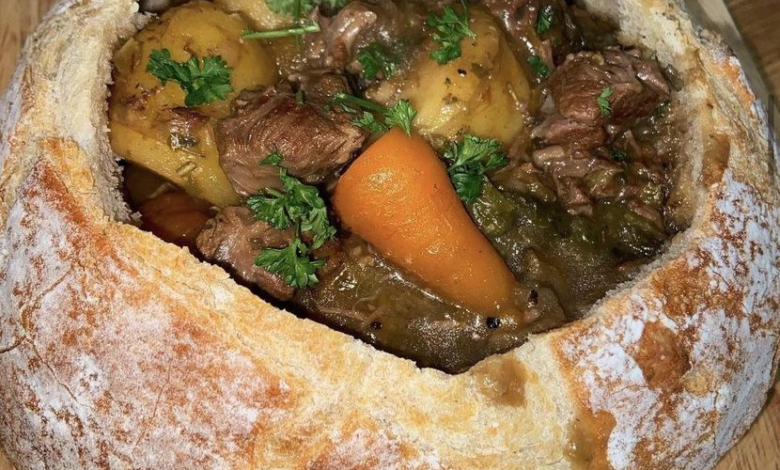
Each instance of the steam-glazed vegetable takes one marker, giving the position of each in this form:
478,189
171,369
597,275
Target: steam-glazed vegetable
151,123
440,179
398,198
483,92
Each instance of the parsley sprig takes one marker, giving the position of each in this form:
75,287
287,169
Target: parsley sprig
281,33
301,207
544,20
203,81
376,58
449,30
292,263
401,114
469,161
538,66
603,101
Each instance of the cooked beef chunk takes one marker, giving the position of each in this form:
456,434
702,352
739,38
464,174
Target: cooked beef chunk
559,130
234,238
637,85
352,28
313,142
578,177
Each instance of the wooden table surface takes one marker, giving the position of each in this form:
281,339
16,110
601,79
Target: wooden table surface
759,21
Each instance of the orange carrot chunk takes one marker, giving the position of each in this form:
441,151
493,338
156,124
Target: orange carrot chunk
398,197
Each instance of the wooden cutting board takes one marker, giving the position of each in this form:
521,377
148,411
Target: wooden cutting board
758,21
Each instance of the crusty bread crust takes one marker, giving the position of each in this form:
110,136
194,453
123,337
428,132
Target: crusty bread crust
120,351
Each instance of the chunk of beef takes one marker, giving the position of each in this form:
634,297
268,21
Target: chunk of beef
579,178
352,28
234,238
560,130
637,85
314,143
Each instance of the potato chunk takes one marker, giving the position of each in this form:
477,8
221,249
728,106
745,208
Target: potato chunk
149,124
258,14
483,92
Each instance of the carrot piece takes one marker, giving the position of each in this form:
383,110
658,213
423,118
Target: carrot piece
398,197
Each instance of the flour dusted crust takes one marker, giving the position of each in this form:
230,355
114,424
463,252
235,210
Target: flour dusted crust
120,351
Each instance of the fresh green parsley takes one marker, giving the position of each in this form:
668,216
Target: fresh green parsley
292,263
376,58
203,81
401,114
538,66
368,122
618,155
449,30
603,101
301,207
544,20
281,33
469,161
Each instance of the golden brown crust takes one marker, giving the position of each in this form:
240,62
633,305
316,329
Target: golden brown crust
121,351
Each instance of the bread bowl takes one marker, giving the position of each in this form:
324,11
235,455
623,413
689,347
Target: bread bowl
410,427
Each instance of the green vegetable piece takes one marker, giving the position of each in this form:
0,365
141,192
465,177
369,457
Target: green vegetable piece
449,30
619,155
376,58
203,81
368,122
401,114
292,263
281,33
299,206
544,20
469,161
603,101
538,66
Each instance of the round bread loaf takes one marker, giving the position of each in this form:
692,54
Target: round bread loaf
120,351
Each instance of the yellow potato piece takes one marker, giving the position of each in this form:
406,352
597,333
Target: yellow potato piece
140,106
258,14
484,92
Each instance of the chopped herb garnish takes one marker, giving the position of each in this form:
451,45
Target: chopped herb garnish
603,101
619,155
281,33
274,159
469,161
449,30
544,20
401,114
203,81
301,207
538,66
377,58
292,263
368,122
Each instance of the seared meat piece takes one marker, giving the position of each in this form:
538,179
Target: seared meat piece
234,238
355,26
314,143
560,130
638,87
579,177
